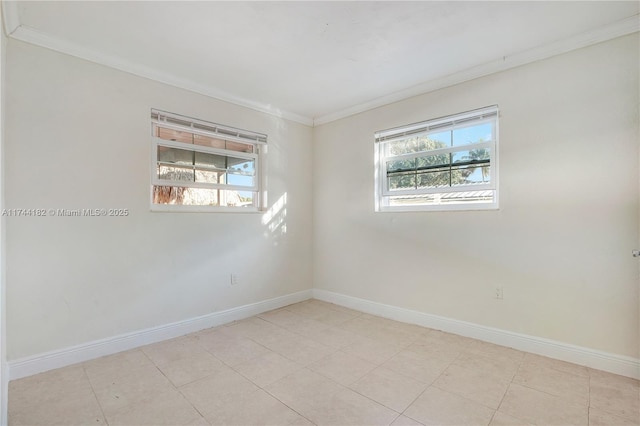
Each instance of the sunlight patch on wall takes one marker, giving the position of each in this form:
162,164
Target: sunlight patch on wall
275,218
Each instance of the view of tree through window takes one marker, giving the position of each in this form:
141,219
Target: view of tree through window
445,161
437,170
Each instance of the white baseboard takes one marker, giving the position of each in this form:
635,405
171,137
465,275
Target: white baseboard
613,363
618,364
61,358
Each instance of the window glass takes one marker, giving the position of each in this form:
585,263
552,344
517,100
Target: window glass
199,164
448,163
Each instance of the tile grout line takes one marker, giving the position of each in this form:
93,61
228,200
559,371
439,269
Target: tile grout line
507,390
380,403
282,402
174,386
553,395
428,386
522,366
254,383
345,387
104,416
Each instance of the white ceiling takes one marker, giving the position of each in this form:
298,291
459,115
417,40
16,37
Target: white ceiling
316,61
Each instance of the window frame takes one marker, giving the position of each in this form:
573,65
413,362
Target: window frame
383,138
208,129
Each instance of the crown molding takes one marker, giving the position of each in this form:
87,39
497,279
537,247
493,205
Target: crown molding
15,30
10,17
33,36
608,32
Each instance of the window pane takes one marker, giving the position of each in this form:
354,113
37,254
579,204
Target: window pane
174,135
205,167
471,167
441,170
447,160
431,161
175,155
473,156
402,181
434,178
242,166
180,174
211,160
471,175
209,176
419,144
473,134
401,165
168,194
239,147
201,176
440,139
398,147
184,196
208,141
241,172
233,179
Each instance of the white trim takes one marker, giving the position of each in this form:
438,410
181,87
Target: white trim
436,190
475,206
206,149
60,358
455,121
384,195
613,363
438,151
205,133
173,208
256,188
48,41
205,185
607,32
205,128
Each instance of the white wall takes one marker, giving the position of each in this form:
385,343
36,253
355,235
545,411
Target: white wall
78,136
560,244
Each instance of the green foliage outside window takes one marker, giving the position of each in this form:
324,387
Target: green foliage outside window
435,170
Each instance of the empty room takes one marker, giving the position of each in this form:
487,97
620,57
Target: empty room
320,213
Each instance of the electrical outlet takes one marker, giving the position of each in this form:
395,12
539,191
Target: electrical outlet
499,293
234,279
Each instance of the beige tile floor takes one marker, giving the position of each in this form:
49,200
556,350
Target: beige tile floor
318,363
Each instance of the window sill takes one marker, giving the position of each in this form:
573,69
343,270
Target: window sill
202,209
438,208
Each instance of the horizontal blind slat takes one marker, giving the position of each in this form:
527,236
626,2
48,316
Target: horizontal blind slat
205,128
430,126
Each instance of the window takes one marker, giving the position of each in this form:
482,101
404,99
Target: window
202,166
449,163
